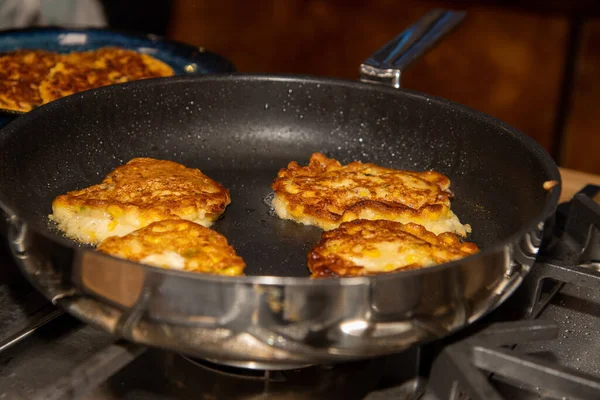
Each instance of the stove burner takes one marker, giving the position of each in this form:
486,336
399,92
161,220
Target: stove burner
259,366
247,370
352,380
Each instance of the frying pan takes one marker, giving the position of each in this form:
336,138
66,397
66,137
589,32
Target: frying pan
240,129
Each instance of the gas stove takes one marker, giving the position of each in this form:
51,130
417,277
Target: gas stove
541,344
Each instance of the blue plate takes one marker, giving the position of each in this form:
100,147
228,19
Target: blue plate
183,58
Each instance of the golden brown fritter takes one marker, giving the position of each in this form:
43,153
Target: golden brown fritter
364,247
28,65
19,95
66,78
29,78
325,194
77,72
136,194
131,64
20,75
177,244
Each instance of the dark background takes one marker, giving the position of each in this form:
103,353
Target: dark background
534,64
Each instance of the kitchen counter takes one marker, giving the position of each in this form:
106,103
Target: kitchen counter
574,181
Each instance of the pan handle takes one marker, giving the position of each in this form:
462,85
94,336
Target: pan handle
386,64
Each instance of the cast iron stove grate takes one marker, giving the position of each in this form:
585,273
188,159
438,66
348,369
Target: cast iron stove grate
572,257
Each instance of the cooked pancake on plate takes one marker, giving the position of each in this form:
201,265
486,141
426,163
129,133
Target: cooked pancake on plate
106,66
143,191
29,78
19,95
131,64
177,244
26,64
363,247
66,78
20,75
325,194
